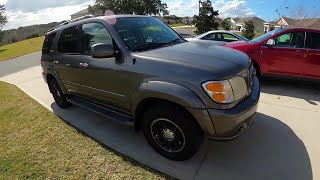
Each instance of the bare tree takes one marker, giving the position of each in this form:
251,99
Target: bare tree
303,13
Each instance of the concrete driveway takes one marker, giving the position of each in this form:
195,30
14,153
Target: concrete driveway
282,143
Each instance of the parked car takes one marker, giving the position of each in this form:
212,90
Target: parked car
288,52
137,71
219,37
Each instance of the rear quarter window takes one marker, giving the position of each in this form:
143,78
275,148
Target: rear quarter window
69,41
48,42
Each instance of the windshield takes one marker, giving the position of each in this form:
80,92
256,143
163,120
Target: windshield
144,33
266,36
242,37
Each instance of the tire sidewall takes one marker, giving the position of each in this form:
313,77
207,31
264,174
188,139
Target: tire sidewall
192,134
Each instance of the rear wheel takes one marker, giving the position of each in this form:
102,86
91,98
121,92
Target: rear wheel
171,131
59,97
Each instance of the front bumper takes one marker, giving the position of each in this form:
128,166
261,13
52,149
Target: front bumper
231,123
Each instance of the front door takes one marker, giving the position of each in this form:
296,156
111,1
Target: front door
287,56
101,79
313,58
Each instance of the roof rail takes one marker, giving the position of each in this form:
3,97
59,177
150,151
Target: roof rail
71,21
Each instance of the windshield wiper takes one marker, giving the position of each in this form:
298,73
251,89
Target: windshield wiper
148,46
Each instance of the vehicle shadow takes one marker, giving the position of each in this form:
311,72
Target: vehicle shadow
126,142
309,91
2,50
269,150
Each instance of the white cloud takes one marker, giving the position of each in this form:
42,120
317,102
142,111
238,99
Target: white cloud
18,18
227,8
183,7
233,8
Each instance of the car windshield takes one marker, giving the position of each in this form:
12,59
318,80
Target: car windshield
242,37
144,33
266,36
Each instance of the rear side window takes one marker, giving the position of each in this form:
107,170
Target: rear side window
94,33
47,45
313,40
211,36
69,40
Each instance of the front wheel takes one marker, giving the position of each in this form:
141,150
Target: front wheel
58,96
172,131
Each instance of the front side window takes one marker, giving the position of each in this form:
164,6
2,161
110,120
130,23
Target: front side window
228,37
313,40
47,45
144,33
69,40
94,33
290,40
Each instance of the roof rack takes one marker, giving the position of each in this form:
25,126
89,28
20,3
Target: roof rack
71,21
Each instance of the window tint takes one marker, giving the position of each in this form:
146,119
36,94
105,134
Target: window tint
211,37
293,39
47,45
313,40
94,33
69,40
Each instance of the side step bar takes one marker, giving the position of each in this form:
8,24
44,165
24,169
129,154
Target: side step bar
104,111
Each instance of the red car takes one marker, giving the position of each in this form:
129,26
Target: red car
285,52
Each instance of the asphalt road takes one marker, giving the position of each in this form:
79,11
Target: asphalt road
19,63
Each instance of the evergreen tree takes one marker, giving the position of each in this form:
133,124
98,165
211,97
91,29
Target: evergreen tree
205,21
248,30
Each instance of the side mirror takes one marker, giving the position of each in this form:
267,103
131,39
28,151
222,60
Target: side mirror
102,50
271,42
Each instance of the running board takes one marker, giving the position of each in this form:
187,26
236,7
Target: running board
104,111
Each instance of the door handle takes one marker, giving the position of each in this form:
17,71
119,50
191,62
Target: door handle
84,65
55,62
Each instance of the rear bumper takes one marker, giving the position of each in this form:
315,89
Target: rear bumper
232,123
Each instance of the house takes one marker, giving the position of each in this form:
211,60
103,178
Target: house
257,22
313,23
83,12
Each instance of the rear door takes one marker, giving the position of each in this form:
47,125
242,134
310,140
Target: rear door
287,56
313,58
68,57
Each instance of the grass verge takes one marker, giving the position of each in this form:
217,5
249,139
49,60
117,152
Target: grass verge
176,25
36,144
21,48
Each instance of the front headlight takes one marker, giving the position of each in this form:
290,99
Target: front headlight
226,91
219,91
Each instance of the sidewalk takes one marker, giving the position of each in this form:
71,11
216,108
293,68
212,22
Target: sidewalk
281,144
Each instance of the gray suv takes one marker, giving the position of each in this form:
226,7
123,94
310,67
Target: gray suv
137,71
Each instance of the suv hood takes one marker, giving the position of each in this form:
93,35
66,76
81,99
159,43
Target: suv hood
205,55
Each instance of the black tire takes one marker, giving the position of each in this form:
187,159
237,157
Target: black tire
172,131
59,97
257,68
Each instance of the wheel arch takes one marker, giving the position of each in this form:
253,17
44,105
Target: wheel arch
52,74
153,92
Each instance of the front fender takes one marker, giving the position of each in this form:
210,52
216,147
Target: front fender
167,91
176,94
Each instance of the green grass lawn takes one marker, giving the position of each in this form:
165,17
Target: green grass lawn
176,25
36,144
21,48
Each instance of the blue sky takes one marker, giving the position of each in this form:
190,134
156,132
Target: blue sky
29,12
